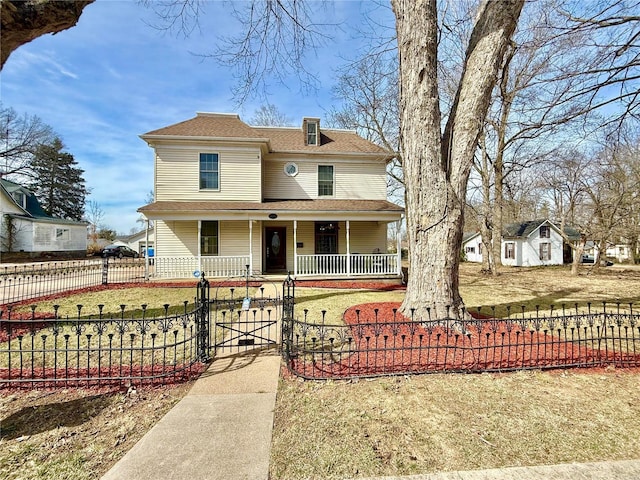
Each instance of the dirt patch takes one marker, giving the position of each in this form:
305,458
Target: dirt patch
76,433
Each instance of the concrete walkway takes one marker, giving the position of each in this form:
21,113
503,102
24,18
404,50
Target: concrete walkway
621,470
221,430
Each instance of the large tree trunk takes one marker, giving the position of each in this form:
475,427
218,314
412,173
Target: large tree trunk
437,168
25,20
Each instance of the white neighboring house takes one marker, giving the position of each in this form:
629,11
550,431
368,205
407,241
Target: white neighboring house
621,252
472,247
26,227
526,244
138,241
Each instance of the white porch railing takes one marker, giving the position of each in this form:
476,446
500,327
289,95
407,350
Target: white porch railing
184,267
308,265
348,265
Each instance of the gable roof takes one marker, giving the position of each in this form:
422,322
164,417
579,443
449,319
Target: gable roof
524,229
33,210
469,236
225,126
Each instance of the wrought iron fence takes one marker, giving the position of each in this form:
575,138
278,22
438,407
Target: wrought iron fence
383,342
26,282
105,349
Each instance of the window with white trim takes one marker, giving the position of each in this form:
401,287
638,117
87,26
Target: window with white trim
20,198
545,251
209,171
545,231
62,234
326,238
312,133
209,238
510,250
325,180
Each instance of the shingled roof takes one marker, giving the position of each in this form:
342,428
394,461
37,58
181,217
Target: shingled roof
278,139
276,205
524,229
214,125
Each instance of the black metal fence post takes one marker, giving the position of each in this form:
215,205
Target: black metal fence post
203,325
288,306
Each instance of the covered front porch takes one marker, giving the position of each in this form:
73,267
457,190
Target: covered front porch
337,242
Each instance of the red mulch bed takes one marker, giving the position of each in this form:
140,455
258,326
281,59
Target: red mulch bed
354,284
386,342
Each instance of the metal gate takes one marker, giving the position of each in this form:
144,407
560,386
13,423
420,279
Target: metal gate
246,315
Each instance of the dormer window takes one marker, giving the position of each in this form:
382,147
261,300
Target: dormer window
312,133
311,128
20,198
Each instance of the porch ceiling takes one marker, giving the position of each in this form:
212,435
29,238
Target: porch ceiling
381,210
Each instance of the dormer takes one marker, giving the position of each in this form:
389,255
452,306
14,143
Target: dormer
311,129
20,198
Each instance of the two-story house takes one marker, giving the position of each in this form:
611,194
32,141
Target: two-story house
310,201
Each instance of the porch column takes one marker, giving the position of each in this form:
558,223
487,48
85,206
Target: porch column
146,253
399,247
295,248
251,246
348,250
199,246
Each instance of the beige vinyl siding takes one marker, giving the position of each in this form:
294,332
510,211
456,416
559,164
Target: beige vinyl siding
306,236
176,238
365,237
352,179
178,174
234,238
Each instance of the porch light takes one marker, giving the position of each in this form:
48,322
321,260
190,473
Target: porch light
273,216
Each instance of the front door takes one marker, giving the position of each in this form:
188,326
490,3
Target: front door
276,238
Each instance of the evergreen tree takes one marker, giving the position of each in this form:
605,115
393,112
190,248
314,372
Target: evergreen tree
58,184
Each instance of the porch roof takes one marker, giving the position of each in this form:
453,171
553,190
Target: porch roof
283,209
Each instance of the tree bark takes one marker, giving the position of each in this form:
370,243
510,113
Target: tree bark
23,21
437,167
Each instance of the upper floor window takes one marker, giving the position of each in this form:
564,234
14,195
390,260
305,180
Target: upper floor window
325,180
312,133
545,231
20,198
209,171
209,237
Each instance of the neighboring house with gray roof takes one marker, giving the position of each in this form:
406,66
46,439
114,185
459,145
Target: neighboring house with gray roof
527,244
304,200
26,227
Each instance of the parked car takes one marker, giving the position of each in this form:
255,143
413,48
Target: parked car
119,251
591,259
587,259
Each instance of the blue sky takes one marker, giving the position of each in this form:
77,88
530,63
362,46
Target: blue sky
112,77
